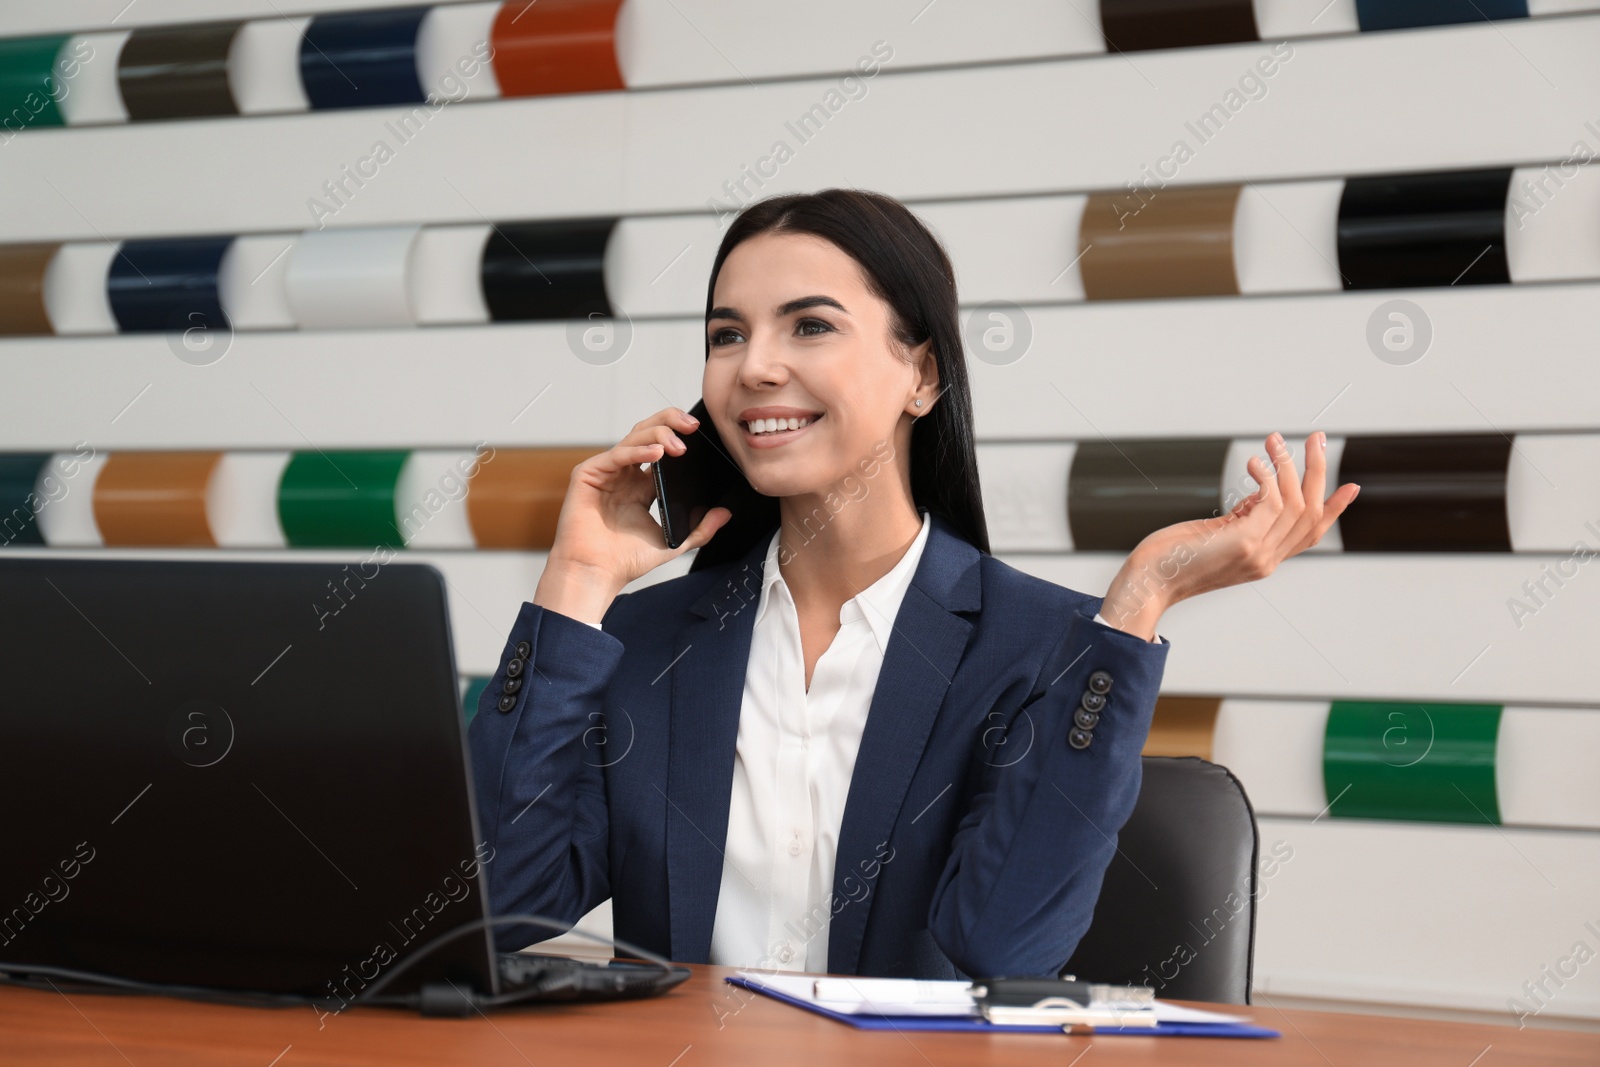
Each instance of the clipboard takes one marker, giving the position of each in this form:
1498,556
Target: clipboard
979,1024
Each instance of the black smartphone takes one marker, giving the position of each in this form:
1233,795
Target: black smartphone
691,484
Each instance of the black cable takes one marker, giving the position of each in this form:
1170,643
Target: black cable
27,975
94,982
486,1001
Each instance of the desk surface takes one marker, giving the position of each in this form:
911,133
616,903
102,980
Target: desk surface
704,1021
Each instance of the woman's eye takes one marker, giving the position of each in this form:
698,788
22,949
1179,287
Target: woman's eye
814,322
719,338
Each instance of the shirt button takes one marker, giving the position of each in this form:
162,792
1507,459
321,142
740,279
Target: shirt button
785,954
794,847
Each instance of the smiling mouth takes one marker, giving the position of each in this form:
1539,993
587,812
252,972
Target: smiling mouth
776,426
777,431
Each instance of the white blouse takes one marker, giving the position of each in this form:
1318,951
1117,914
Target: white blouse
794,757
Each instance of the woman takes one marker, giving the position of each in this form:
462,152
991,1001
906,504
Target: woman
850,739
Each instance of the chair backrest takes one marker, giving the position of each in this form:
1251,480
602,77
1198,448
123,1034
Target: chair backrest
1177,909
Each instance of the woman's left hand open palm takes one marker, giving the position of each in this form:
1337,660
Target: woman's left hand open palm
1283,518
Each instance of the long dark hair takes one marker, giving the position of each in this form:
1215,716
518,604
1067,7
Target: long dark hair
907,268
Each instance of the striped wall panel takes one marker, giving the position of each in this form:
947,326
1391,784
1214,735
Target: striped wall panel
394,55
700,168
1437,229
308,499
1483,764
1427,494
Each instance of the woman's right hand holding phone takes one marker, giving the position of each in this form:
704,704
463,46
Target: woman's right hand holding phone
605,536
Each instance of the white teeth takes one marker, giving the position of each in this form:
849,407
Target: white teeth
760,426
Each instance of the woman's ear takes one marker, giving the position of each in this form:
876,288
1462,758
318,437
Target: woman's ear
927,394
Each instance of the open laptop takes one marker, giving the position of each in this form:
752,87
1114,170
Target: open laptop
248,776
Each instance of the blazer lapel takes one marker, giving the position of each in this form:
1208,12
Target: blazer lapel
928,642
710,656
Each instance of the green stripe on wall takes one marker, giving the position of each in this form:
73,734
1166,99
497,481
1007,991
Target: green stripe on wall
1424,762
340,499
28,83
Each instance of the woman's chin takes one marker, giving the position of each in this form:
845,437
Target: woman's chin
783,483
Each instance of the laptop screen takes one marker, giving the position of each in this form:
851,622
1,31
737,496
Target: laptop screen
235,775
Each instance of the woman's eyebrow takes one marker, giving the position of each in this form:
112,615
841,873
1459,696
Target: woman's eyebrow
789,308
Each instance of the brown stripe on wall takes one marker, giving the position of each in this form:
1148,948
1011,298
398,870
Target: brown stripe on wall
1155,242
514,502
177,72
1131,25
1443,493
155,499
1120,491
22,268
1183,726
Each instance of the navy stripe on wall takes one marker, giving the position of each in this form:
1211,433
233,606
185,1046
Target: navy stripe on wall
362,59
167,285
1442,228
1399,14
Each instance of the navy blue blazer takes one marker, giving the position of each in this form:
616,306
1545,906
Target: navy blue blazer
978,825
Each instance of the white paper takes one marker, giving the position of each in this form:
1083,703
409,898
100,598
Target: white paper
909,996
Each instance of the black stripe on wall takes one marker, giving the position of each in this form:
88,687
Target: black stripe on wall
547,270
1443,228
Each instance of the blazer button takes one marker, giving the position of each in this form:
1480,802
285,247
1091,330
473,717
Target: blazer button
1078,738
1085,718
1100,682
1093,701
507,702
524,649
514,667
510,686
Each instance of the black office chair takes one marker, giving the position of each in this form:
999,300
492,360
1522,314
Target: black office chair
1177,909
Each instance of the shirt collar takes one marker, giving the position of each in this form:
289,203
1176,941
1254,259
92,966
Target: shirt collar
879,602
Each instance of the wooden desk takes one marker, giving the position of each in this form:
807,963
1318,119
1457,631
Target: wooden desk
704,1021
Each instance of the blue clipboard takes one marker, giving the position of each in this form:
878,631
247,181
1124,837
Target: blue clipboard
969,1023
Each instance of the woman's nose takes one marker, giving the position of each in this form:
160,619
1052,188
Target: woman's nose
763,360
